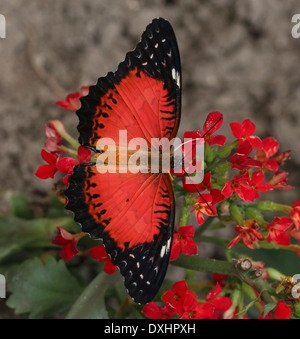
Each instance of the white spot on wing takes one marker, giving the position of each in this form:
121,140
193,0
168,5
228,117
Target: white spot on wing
163,251
168,244
176,77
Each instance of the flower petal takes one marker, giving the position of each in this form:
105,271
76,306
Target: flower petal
66,165
84,155
282,311
213,122
236,129
46,171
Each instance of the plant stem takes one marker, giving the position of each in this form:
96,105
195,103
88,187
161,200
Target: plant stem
204,264
68,150
185,212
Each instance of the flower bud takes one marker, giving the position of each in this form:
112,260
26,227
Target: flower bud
58,126
273,206
253,213
236,214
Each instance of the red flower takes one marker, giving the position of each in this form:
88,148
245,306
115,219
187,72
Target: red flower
66,165
212,123
153,311
47,171
176,295
69,242
182,242
277,230
72,101
220,303
249,233
99,253
241,160
193,310
270,147
213,308
244,132
197,187
204,206
258,184
295,214
54,138
279,181
220,279
241,185
216,194
282,311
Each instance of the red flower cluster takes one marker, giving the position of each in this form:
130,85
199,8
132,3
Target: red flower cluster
183,302
246,185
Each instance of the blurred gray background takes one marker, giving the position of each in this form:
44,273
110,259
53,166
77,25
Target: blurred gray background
238,57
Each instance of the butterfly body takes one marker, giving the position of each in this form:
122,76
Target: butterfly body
132,212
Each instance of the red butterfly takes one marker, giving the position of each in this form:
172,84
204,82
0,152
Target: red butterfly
133,213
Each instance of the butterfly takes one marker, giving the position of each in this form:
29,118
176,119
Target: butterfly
133,213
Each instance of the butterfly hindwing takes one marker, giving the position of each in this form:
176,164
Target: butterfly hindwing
136,226
133,213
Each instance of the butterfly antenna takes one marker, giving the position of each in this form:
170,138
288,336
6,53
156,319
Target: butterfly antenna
192,151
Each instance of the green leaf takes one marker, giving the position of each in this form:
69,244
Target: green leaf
91,303
42,290
222,168
268,308
17,234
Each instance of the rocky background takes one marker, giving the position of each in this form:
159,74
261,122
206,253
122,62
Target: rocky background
238,57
